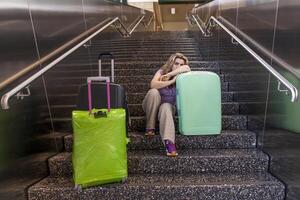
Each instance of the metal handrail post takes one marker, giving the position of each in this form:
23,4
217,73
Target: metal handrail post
199,26
136,24
205,32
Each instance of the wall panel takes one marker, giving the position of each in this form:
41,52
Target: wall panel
228,10
287,41
55,22
17,47
257,20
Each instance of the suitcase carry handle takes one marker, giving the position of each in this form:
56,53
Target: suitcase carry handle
89,82
106,54
112,64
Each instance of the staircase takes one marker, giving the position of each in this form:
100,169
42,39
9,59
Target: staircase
228,166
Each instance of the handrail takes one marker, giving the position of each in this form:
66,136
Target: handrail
291,87
259,47
137,24
48,57
5,98
204,32
150,20
199,26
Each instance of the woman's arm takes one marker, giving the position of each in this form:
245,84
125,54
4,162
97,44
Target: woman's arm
157,83
181,69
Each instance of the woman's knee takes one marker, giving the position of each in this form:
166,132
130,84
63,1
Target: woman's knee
153,93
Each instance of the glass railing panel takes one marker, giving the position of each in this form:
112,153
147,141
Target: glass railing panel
282,137
27,127
26,142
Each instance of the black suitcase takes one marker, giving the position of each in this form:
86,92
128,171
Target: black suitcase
117,93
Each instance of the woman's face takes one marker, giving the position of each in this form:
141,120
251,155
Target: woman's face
177,63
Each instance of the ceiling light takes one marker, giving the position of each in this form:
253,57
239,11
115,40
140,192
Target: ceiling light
173,11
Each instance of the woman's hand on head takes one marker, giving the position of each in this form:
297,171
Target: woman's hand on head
158,83
165,77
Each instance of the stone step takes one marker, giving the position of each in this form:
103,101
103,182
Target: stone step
132,98
118,72
233,74
16,188
50,142
164,41
249,86
121,52
134,109
150,58
134,59
137,52
151,68
165,47
250,96
134,40
60,79
228,108
227,139
142,44
139,64
154,49
145,41
55,89
143,87
224,57
189,161
238,96
143,53
175,47
21,173
176,186
170,49
129,65
229,122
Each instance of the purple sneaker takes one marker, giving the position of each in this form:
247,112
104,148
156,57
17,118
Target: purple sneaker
170,148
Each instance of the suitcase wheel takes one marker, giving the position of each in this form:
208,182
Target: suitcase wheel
124,180
78,188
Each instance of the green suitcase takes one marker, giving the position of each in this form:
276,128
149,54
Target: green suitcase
198,102
99,147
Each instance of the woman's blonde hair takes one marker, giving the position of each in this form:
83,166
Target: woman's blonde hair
167,67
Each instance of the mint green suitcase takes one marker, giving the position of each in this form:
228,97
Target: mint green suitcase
198,102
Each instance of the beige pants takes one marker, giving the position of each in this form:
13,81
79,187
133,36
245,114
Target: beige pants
166,111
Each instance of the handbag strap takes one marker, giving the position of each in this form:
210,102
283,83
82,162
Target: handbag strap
89,82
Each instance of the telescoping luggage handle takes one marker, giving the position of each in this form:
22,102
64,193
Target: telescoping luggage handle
112,64
89,81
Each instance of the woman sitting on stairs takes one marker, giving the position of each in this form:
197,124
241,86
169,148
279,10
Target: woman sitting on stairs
161,99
